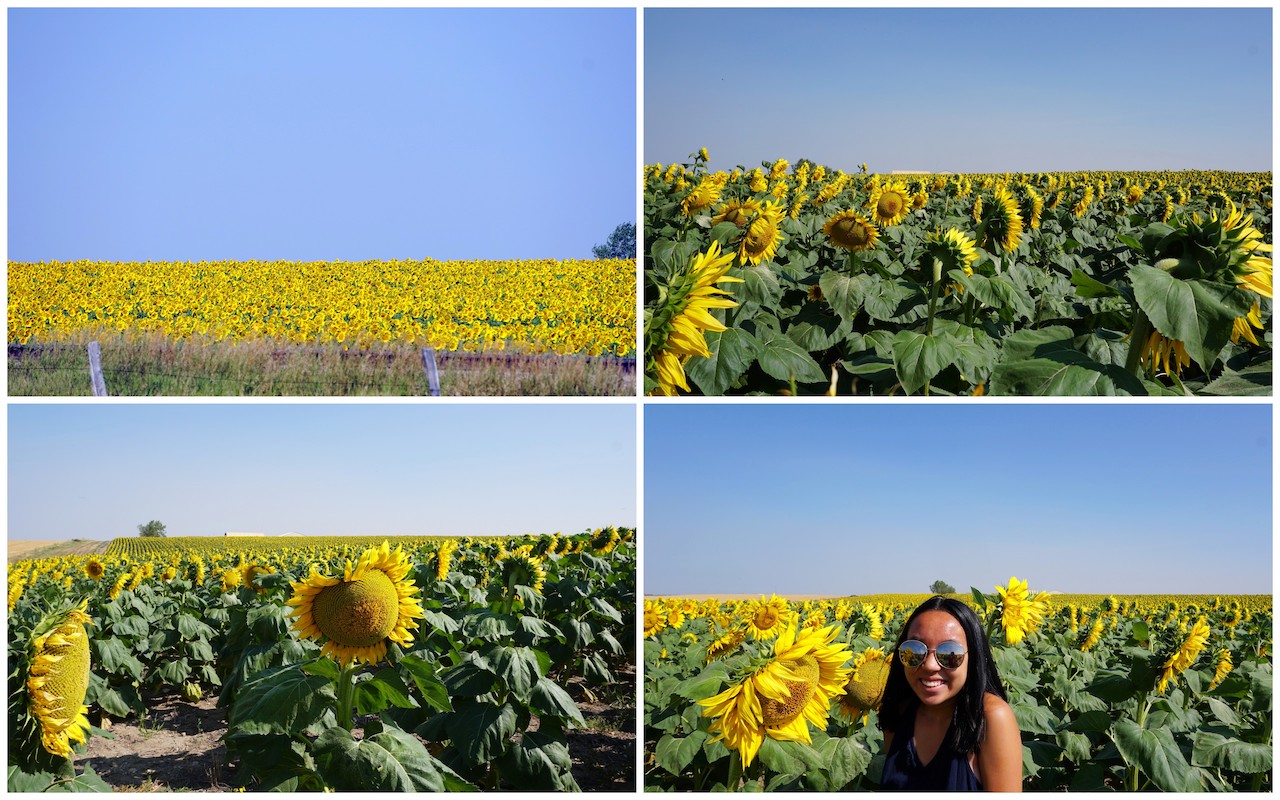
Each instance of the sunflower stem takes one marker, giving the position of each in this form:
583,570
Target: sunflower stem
346,695
933,302
1138,336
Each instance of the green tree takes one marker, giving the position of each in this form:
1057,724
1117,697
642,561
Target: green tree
621,243
153,528
942,587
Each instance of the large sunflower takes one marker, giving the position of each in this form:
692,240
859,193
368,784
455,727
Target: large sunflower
866,683
58,678
1021,613
781,698
889,204
849,230
356,615
1185,655
767,618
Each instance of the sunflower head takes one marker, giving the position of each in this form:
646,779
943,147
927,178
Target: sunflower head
889,204
522,568
848,230
763,235
1001,221
356,615
48,707
94,568
954,249
866,685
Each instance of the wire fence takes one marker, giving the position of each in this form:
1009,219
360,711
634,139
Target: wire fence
125,369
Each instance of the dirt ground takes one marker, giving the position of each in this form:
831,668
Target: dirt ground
49,548
796,597
178,748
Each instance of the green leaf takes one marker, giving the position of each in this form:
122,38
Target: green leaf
1091,287
919,358
1260,687
1218,752
131,626
1251,382
115,657
999,293
602,607
174,672
1034,718
846,760
382,691
428,683
673,753
1045,361
732,352
1198,313
789,758
192,628
760,285
1155,753
883,297
517,667
1090,722
780,357
844,292
388,761
539,762
1112,688
548,699
283,700
481,731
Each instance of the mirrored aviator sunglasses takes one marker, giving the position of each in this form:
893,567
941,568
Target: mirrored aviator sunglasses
913,653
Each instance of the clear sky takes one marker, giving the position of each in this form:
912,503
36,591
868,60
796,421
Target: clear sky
98,471
864,499
319,134
961,90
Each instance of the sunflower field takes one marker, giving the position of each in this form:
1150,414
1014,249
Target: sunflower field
434,664
1111,693
564,307
807,280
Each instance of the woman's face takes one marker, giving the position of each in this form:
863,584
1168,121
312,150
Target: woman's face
931,683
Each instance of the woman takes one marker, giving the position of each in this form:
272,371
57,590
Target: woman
944,715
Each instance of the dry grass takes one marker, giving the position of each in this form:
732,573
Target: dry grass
153,364
52,548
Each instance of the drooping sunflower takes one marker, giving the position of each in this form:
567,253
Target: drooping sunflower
1222,669
673,333
356,615
1185,655
782,697
954,249
1163,353
739,212
763,235
521,567
57,679
889,204
849,230
865,687
1095,635
726,643
1002,221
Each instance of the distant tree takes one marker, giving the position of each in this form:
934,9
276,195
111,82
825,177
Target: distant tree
153,528
621,243
942,587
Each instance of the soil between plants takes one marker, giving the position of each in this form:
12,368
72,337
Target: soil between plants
178,747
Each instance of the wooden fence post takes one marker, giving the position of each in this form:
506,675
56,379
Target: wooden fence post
95,370
433,374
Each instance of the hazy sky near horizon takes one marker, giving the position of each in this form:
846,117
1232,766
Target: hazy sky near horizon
321,469
864,499
962,89
319,134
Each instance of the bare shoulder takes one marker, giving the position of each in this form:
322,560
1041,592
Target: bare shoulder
999,714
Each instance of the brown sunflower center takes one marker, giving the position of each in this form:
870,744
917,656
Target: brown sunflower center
360,613
766,618
850,233
780,713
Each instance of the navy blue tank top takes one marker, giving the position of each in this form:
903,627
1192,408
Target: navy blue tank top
948,770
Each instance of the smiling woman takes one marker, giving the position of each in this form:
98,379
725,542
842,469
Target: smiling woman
946,722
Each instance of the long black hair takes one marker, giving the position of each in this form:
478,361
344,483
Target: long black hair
968,719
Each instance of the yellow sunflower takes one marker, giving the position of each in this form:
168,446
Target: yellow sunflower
1163,353
865,687
767,618
1185,655
1021,613
784,696
739,212
889,204
57,680
1223,668
1002,221
654,619
94,568
851,231
954,249
689,315
357,614
763,235
725,644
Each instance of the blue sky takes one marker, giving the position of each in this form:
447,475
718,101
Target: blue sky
98,471
961,90
323,134
863,499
